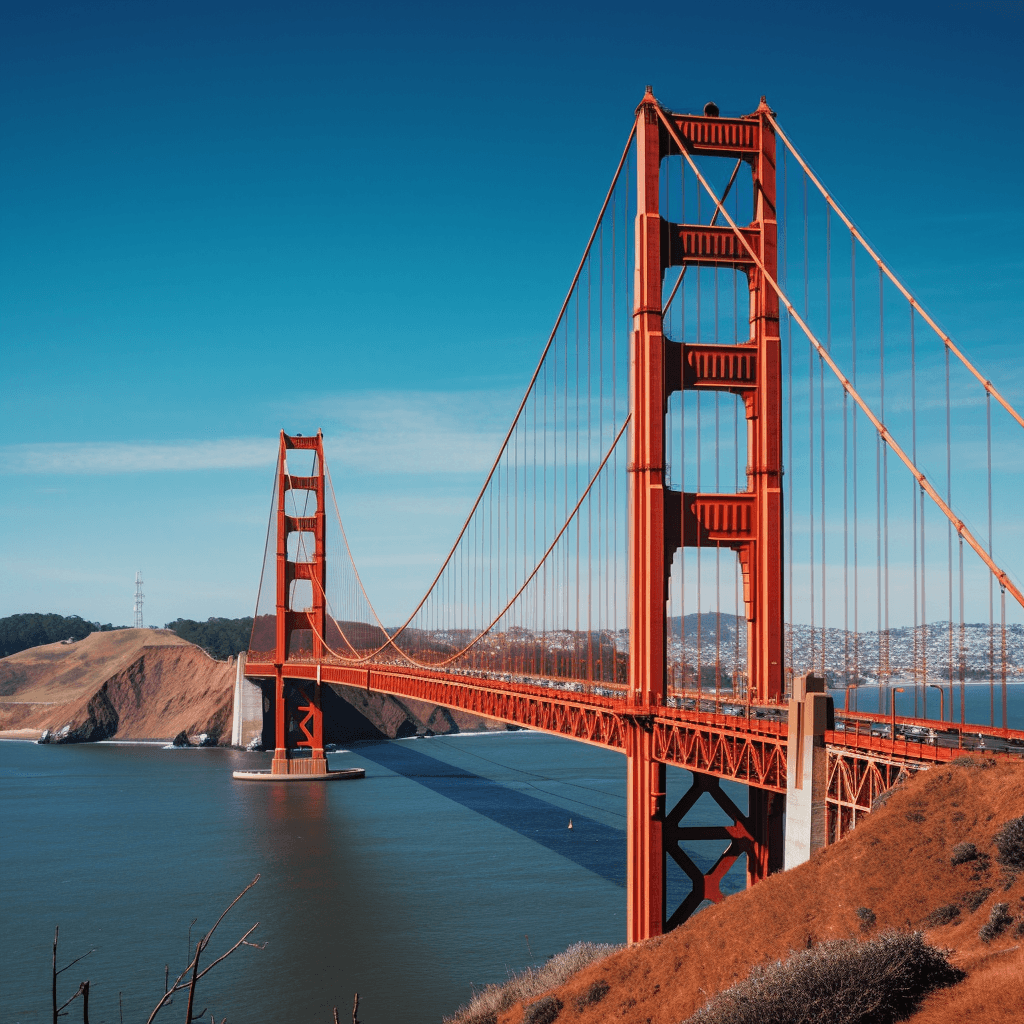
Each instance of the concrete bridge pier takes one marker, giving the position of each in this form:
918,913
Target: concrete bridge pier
811,713
247,719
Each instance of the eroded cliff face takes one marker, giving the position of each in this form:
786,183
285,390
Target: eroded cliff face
129,684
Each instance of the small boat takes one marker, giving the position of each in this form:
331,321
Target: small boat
570,823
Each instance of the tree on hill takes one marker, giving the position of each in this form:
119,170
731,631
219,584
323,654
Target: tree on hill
32,629
220,638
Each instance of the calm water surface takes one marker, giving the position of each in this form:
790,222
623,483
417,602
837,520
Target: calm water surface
449,865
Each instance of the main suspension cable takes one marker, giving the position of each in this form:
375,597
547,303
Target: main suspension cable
883,266
883,431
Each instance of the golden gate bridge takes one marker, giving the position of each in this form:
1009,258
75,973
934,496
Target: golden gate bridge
746,460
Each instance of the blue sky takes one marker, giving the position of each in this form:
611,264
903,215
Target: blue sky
220,219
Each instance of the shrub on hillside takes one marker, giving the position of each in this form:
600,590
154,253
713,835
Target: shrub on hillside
943,915
844,982
491,1000
594,994
973,900
997,922
963,852
867,918
1010,844
544,1011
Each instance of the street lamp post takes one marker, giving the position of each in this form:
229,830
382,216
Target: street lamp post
942,701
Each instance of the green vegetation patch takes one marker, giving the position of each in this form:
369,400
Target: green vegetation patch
220,638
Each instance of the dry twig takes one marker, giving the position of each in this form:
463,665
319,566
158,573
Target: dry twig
193,965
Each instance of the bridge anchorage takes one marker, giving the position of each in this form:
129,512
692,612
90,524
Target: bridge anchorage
561,605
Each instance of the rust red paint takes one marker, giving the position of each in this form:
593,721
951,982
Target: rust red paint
303,704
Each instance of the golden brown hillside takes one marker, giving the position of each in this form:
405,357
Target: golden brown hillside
904,865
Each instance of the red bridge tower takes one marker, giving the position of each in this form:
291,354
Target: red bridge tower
300,631
662,520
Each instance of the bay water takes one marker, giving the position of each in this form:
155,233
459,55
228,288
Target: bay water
447,867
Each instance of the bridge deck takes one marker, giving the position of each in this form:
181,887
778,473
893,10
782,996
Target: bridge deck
745,742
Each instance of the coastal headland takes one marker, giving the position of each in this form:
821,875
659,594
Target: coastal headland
150,684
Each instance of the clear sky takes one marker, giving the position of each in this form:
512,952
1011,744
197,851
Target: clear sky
224,218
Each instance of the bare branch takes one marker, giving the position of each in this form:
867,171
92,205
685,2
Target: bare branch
73,962
209,934
84,987
192,987
240,942
193,965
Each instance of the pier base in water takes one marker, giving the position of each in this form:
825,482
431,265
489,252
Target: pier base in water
285,768
326,776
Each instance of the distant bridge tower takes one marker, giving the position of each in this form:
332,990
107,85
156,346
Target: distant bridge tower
301,631
138,599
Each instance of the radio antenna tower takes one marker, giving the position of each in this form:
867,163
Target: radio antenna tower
138,599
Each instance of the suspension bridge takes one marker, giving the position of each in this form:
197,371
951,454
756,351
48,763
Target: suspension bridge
749,467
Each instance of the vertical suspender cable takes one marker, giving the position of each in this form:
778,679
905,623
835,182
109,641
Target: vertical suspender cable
810,431
576,491
962,654
1002,620
856,516
846,547
590,505
991,611
821,400
918,680
790,468
602,513
878,566
949,535
885,475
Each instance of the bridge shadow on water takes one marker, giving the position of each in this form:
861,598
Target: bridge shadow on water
591,844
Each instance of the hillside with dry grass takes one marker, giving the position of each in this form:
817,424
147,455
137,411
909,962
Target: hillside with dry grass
150,684
918,915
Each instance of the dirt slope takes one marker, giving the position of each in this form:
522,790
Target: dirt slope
898,864
131,683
